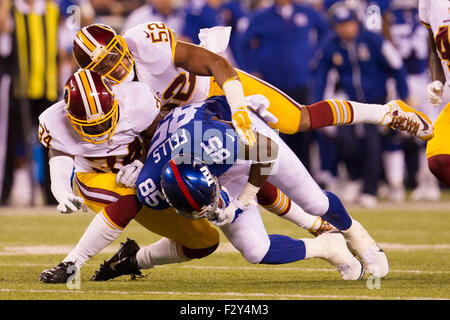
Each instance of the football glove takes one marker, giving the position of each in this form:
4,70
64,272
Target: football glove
70,203
434,92
260,104
229,212
243,125
128,175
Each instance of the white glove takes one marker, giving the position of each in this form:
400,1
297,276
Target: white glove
260,104
230,211
70,203
434,92
129,174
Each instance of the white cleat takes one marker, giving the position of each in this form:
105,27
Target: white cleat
404,118
364,246
338,255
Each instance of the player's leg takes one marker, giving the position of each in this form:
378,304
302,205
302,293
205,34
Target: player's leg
438,148
275,201
292,117
294,180
249,236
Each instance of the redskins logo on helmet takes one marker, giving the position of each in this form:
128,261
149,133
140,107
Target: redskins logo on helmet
99,48
91,106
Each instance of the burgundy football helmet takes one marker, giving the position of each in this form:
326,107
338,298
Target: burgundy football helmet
91,106
99,48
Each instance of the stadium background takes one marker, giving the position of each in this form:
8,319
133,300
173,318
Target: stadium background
404,181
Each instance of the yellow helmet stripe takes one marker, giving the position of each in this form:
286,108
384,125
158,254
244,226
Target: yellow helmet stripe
89,93
94,90
88,43
83,93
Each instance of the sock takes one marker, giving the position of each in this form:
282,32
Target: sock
314,248
274,200
336,213
99,234
283,249
340,112
164,251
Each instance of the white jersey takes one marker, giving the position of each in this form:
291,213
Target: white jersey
435,15
138,108
152,46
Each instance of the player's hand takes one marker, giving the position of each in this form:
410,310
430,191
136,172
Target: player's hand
228,210
243,125
69,204
260,104
129,174
434,92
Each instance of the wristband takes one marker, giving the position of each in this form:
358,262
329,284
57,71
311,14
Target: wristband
248,194
234,93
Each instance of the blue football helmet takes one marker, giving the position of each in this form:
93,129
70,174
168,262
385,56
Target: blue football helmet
190,188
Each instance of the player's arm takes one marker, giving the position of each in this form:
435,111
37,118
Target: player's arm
434,89
129,174
263,155
61,168
202,62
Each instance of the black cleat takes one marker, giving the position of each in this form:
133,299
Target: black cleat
59,274
122,263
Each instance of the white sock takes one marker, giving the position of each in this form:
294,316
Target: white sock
97,236
370,113
302,219
315,248
164,251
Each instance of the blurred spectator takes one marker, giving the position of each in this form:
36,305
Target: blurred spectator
278,46
209,13
364,61
33,25
411,39
374,14
157,10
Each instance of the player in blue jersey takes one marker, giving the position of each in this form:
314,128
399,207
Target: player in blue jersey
203,131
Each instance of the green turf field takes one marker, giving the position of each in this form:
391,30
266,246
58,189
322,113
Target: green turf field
416,238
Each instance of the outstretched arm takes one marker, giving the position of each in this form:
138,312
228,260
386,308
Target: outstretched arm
203,62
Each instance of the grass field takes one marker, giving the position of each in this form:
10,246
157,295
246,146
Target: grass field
416,239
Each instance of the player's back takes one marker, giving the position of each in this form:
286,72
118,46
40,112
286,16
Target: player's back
199,129
152,46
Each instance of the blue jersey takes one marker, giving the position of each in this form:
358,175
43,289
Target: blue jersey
410,37
189,130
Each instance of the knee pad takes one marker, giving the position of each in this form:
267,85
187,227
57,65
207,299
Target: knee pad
199,253
440,166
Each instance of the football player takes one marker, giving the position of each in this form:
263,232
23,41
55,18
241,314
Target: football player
435,15
100,133
195,144
183,73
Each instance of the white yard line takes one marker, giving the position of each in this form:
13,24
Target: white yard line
221,294
249,268
223,248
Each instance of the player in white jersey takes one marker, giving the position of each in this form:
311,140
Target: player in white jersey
101,134
183,73
435,15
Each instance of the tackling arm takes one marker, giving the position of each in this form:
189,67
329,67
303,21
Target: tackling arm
61,167
203,62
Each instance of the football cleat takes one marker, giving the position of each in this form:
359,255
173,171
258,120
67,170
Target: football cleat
123,262
339,256
59,274
324,227
404,118
364,246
